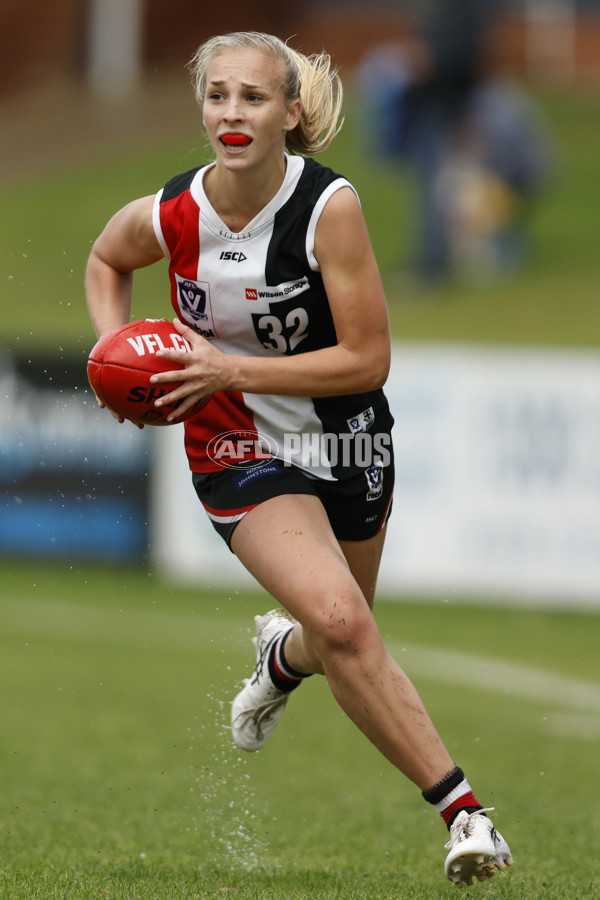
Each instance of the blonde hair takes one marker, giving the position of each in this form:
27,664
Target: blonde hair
311,79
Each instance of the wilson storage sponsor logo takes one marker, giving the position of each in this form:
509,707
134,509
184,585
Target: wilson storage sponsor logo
278,291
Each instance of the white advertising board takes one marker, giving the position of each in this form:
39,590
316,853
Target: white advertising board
497,480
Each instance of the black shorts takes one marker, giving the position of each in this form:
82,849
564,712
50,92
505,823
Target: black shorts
358,507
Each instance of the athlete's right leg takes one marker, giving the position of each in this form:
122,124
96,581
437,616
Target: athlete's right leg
287,543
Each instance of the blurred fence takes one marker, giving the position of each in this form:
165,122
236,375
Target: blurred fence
497,478
497,481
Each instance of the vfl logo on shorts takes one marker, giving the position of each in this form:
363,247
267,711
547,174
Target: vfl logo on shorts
361,422
374,476
193,300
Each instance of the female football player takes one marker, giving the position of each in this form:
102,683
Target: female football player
275,285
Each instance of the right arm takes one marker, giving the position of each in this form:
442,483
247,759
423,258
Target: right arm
127,243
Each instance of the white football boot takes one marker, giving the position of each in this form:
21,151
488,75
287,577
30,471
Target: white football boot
476,848
258,707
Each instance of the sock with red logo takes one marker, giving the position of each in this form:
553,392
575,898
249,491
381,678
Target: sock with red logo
452,794
282,675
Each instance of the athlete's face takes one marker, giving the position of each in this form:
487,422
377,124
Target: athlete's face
245,112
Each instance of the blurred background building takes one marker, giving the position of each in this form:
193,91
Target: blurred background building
98,40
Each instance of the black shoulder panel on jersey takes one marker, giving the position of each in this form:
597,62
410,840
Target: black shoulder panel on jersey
178,184
286,260
288,245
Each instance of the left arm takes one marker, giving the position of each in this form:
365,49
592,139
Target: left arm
360,359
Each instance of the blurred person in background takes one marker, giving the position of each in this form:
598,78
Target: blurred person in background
449,60
473,139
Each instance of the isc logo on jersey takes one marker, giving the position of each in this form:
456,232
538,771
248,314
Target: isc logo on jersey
233,255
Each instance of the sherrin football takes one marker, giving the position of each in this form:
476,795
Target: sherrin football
121,363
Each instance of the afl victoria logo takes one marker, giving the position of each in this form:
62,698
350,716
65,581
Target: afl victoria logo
193,301
192,297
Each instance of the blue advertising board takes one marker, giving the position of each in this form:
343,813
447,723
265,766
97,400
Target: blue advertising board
73,481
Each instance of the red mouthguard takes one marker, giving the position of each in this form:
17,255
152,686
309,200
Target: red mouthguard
237,139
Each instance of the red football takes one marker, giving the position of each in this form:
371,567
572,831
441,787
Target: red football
121,363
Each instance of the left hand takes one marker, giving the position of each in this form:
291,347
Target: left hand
205,372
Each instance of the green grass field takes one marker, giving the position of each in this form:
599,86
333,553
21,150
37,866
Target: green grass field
118,777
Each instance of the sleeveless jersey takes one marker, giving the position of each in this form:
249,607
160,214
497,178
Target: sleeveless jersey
259,292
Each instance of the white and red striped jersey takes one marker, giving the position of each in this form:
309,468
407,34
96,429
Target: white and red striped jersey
259,292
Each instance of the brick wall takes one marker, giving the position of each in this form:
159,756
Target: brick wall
44,40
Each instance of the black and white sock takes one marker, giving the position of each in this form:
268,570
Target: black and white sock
452,794
282,675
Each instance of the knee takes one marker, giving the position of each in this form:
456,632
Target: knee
343,630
